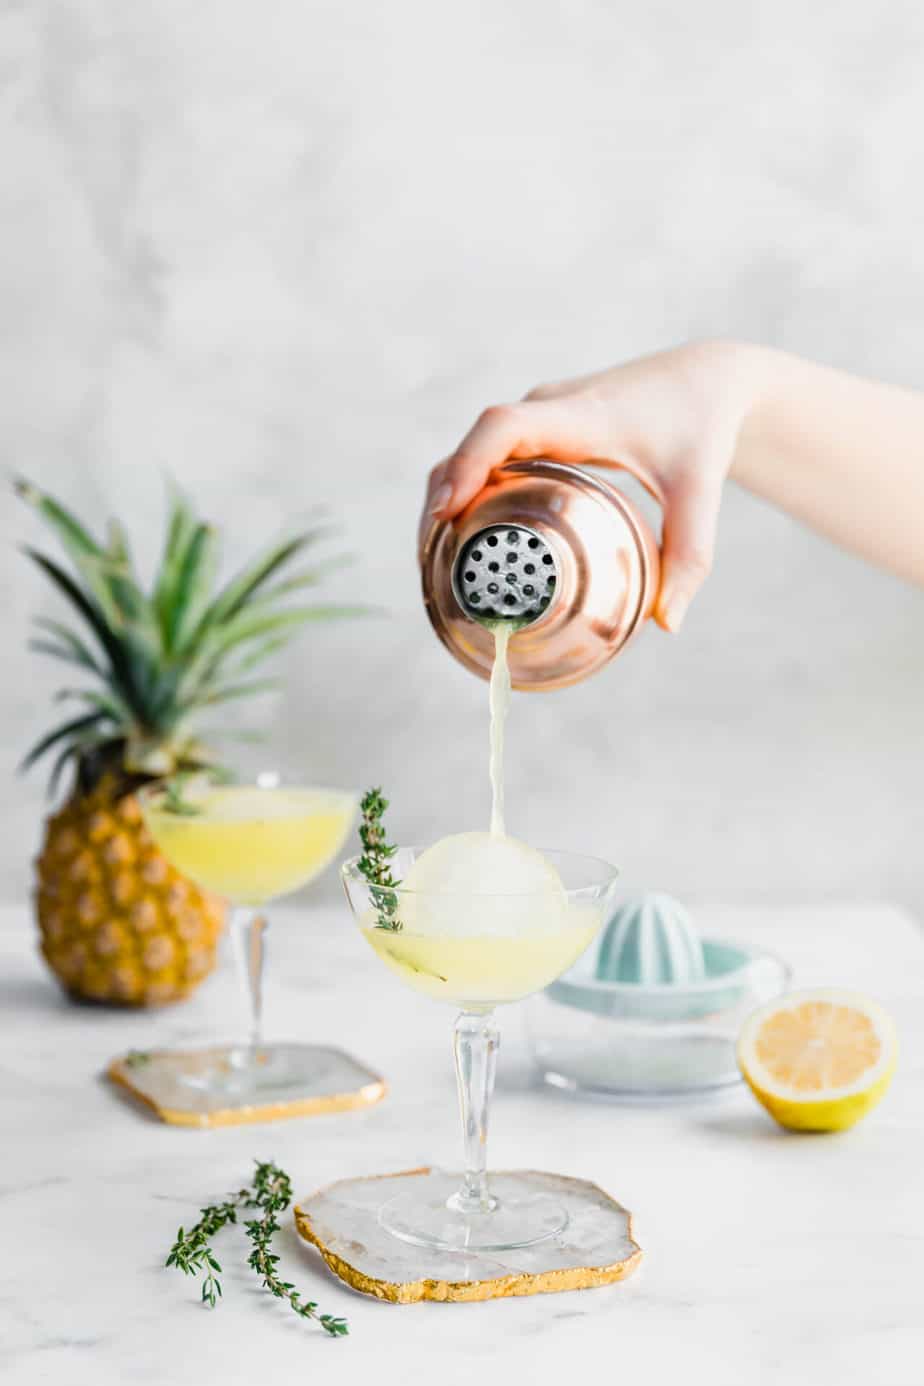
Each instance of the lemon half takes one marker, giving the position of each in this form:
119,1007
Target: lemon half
818,1060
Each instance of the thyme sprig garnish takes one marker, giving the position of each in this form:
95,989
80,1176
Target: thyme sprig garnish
375,861
374,864
270,1192
272,1195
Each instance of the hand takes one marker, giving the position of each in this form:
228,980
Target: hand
672,420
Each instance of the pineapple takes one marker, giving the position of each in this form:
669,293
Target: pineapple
117,922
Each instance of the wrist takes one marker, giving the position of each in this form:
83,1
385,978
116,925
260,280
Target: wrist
738,371
743,377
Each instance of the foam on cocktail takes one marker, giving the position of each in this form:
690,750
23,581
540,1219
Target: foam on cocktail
476,883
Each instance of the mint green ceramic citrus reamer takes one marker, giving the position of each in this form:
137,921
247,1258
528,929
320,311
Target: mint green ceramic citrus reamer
652,1009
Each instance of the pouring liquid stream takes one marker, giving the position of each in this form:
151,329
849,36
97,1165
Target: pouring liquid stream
513,950
499,703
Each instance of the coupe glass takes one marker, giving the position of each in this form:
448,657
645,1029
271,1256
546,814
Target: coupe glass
478,951
250,844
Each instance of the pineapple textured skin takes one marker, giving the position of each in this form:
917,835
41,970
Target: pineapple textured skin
118,923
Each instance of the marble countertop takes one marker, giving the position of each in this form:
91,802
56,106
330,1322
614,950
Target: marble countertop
768,1258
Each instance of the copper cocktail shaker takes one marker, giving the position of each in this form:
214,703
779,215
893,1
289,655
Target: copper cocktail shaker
554,549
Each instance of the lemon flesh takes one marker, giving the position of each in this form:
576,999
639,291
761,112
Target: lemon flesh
818,1060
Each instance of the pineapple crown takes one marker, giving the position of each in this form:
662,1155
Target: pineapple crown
155,658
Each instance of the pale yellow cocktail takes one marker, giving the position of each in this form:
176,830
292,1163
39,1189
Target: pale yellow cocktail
251,844
485,970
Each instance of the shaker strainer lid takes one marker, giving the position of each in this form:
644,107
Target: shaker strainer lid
505,571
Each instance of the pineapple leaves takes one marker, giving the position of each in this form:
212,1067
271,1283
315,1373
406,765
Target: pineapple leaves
132,607
67,729
118,549
313,578
250,625
279,625
94,618
258,653
181,527
57,768
230,691
106,573
69,645
158,655
75,539
91,698
133,664
190,589
50,648
236,595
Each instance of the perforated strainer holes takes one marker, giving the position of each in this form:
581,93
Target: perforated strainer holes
505,571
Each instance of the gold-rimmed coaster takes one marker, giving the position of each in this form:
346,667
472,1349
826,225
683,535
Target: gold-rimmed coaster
595,1248
202,1087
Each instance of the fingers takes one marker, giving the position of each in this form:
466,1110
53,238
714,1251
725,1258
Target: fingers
551,428
572,385
431,506
493,440
554,389
690,521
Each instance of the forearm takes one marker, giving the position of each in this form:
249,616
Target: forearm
844,455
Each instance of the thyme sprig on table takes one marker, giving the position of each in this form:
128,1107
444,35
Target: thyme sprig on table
374,862
270,1192
272,1195
192,1253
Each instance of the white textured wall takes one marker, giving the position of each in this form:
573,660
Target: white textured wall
286,250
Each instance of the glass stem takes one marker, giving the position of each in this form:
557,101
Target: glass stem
248,932
475,1043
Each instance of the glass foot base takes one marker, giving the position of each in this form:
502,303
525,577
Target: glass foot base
427,1217
227,1084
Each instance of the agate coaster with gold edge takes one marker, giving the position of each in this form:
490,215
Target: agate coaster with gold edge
205,1087
595,1248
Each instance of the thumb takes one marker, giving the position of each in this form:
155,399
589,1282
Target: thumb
691,516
